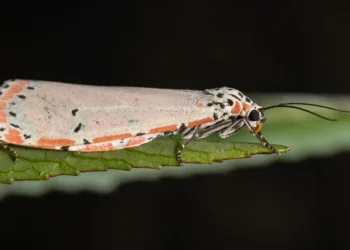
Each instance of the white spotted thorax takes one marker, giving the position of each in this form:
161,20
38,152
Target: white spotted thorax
230,102
63,116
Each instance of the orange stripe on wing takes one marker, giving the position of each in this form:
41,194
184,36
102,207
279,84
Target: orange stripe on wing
138,140
3,105
7,96
111,137
246,106
15,88
106,146
163,129
237,108
13,136
3,117
199,122
45,141
22,83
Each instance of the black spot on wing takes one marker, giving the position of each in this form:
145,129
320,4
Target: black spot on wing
14,125
2,129
207,93
209,104
13,114
247,99
86,141
74,111
149,138
220,95
240,94
239,99
0,93
215,116
222,105
30,87
78,128
27,136
6,86
138,134
21,96
230,102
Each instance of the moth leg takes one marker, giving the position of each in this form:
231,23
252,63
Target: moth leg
264,142
261,138
13,153
200,132
227,132
218,127
191,134
188,132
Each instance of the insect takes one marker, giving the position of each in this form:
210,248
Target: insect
63,116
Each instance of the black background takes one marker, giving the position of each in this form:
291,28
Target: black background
254,46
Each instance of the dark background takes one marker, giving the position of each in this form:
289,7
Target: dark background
254,46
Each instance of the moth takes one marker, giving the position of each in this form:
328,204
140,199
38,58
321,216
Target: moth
84,118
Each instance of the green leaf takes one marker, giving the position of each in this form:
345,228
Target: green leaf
40,164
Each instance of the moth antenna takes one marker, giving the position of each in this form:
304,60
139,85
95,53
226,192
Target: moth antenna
310,112
307,104
289,105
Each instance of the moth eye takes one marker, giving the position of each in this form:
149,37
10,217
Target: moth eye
254,115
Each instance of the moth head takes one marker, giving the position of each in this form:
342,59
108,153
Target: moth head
256,117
